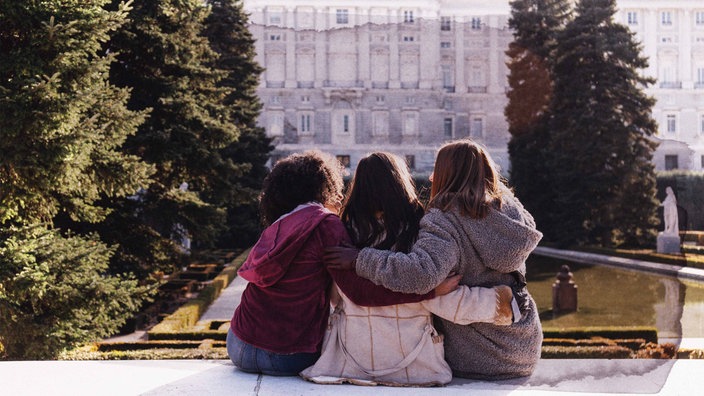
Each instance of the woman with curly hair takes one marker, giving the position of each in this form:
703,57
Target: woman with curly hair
279,325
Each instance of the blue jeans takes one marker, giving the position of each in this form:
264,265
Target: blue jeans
251,359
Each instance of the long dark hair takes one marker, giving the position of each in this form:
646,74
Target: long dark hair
298,179
382,185
465,177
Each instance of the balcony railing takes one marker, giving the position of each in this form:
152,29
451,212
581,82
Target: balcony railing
380,84
274,84
409,84
671,84
477,89
449,89
306,84
699,85
343,84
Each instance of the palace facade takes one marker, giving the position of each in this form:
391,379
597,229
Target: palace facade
354,77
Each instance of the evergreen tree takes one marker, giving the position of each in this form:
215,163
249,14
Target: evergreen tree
53,295
61,127
61,122
226,29
165,58
535,24
601,126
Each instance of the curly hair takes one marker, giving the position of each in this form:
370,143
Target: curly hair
382,186
297,179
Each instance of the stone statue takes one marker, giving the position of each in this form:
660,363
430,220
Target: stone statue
670,212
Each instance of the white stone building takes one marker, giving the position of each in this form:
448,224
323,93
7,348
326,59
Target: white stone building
672,35
354,77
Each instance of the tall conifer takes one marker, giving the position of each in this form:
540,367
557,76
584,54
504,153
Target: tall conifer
535,24
601,125
164,56
61,128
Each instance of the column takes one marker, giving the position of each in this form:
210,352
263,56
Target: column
685,49
290,23
321,47
460,83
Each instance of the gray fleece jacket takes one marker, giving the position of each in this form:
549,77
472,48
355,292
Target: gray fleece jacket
485,251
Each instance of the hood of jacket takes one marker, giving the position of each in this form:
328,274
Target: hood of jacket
504,238
279,244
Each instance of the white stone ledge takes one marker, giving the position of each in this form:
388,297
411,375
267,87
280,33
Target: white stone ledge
593,258
220,377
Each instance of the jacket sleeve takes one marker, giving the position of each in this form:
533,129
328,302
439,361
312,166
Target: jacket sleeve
433,256
362,291
365,293
468,305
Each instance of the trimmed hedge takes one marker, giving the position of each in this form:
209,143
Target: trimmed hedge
586,352
647,334
187,315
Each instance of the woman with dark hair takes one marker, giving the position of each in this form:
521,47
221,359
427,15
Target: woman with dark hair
279,325
476,227
395,344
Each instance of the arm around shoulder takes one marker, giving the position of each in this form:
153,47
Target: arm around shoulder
433,256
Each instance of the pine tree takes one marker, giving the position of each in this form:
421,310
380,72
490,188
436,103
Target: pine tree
601,127
165,58
535,24
62,123
226,29
61,127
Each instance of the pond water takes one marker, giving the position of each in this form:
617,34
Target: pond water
609,296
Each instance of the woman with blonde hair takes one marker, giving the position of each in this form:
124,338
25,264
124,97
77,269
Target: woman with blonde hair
475,227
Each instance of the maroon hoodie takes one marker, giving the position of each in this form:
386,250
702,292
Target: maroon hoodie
285,306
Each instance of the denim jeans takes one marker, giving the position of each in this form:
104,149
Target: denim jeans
251,359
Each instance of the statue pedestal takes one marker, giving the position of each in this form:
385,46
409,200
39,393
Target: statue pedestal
668,243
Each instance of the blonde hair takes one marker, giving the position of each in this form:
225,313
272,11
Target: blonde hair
465,176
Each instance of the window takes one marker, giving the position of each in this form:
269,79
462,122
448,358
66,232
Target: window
305,125
701,124
346,123
305,99
380,119
276,124
410,100
344,160
447,127
477,127
410,123
445,24
476,23
699,18
275,18
408,38
632,17
408,17
447,77
380,99
700,76
671,162
411,161
342,16
445,44
702,161
275,99
671,123
666,18
274,37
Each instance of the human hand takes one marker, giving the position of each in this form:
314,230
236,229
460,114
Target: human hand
340,257
450,284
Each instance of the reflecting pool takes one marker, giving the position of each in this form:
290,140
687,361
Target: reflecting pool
609,296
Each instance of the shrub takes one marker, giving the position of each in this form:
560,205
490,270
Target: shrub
55,294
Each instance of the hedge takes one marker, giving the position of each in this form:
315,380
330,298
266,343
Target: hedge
646,333
187,315
689,190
